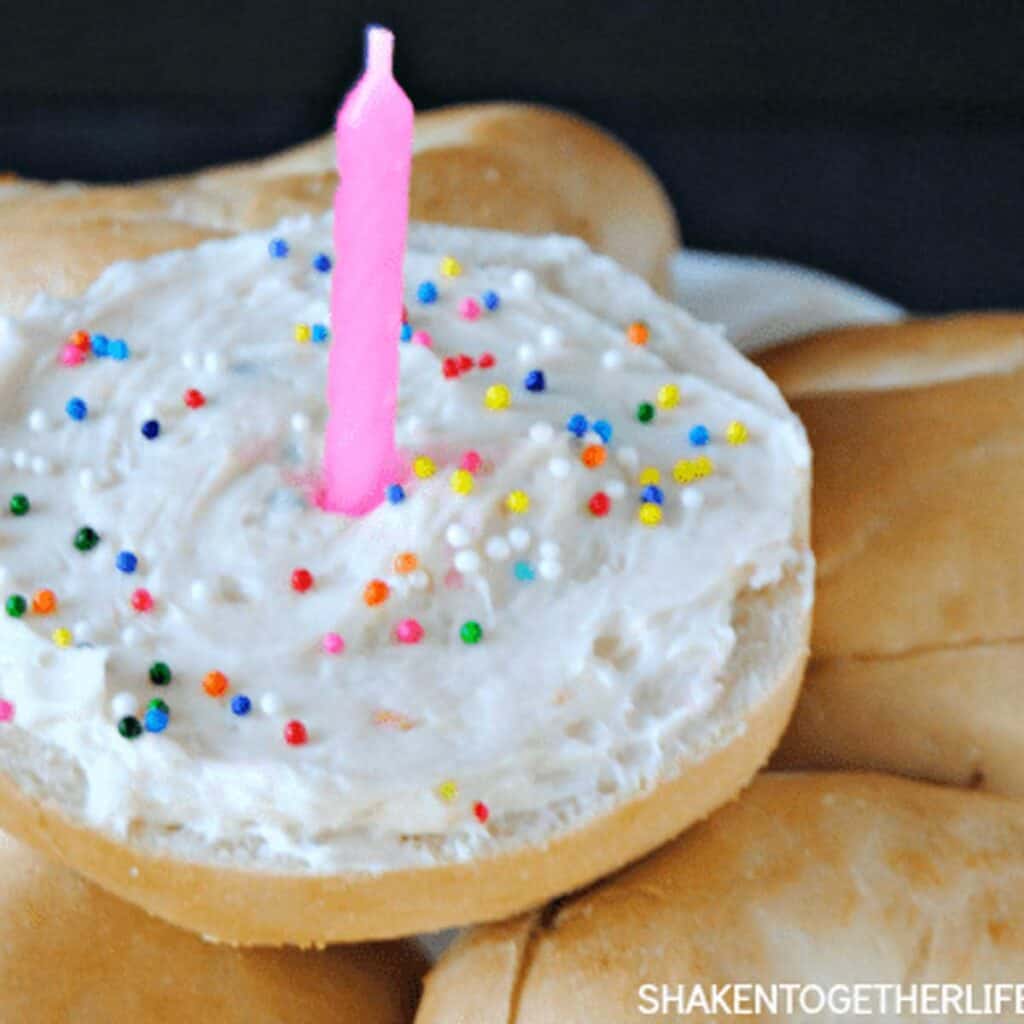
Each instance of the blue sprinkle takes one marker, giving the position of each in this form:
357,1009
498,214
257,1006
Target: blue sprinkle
156,720
241,705
100,345
603,429
577,424
322,262
654,494
396,494
491,299
151,430
119,350
699,435
427,292
406,332
77,409
534,381
127,561
523,572
278,248
320,333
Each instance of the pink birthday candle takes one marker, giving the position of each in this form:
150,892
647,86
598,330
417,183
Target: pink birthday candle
373,137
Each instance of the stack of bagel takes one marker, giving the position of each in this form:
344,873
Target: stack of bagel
884,842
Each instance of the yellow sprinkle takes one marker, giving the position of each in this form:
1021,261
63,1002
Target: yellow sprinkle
517,501
448,791
462,481
668,396
424,466
650,475
450,266
302,333
736,433
649,514
685,471
62,637
704,466
498,396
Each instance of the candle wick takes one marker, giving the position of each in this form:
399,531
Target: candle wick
380,46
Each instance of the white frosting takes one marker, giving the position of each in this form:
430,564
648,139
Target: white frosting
587,672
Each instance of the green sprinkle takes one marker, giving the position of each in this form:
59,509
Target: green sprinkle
471,632
645,412
156,704
20,505
16,606
86,539
159,673
130,727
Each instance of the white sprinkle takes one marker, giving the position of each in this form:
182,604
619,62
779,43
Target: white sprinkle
612,359
524,282
212,362
615,489
467,560
147,409
398,583
41,466
419,579
37,421
123,704
542,433
519,537
559,468
82,632
87,479
550,550
129,636
199,592
497,549
628,457
526,353
413,426
270,704
457,535
189,360
5,574
692,497
551,337
550,570
20,459
300,422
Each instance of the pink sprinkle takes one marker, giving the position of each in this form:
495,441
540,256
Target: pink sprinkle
71,355
472,461
6,711
486,361
142,600
424,338
333,643
469,309
409,631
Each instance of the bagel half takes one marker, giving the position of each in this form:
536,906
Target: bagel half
918,649
815,879
501,165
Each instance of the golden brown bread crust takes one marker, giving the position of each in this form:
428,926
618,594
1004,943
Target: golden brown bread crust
806,878
258,908
71,952
510,166
917,660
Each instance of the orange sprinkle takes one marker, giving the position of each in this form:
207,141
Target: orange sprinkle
406,562
638,332
44,602
393,720
593,456
215,683
80,339
376,592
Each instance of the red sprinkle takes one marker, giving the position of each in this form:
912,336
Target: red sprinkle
481,811
600,504
195,399
295,733
302,580
486,361
465,362
142,600
450,368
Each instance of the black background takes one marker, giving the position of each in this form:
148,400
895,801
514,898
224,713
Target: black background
882,141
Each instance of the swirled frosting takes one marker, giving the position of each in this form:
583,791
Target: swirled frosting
604,624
